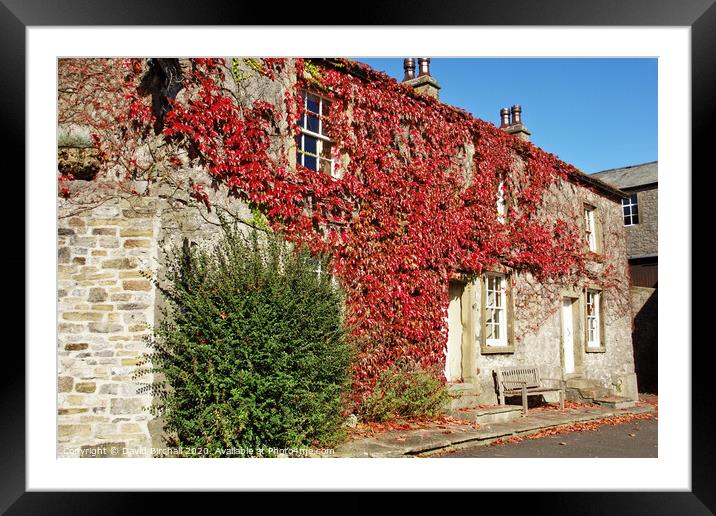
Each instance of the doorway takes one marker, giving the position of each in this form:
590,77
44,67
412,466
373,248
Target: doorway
568,365
453,357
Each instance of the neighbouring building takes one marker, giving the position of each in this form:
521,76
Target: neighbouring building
641,220
107,305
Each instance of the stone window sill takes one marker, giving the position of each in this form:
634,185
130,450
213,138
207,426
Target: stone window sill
602,349
493,350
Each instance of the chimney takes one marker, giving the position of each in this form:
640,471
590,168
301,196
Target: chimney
424,63
504,117
424,83
514,125
409,68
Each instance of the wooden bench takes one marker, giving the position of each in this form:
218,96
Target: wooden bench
525,380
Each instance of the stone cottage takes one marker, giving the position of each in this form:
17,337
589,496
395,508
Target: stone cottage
109,247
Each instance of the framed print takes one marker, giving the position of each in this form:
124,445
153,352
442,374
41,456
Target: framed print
679,34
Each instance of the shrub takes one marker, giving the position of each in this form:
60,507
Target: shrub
405,393
251,351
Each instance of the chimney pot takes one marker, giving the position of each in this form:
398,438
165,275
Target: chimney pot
516,111
504,117
424,64
409,68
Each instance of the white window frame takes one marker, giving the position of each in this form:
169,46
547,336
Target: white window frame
593,318
320,137
501,204
499,307
590,228
633,208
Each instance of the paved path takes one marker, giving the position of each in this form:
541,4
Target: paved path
433,440
633,439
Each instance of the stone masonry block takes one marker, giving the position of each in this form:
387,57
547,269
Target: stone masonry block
130,274
105,231
120,263
64,383
76,346
105,328
127,405
135,232
83,316
69,431
137,243
86,387
63,255
136,285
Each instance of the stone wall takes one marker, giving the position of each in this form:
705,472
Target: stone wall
105,306
642,238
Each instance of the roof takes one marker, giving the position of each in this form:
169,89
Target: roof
630,177
605,187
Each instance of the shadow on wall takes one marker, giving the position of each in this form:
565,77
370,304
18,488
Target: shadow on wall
646,345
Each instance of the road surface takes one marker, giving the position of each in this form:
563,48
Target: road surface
634,439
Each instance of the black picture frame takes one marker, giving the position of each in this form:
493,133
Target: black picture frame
700,15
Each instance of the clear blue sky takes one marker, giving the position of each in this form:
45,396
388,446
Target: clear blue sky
594,113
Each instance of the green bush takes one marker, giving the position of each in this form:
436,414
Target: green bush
405,393
252,352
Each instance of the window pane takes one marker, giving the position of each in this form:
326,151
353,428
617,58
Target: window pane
309,161
310,144
312,123
312,104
